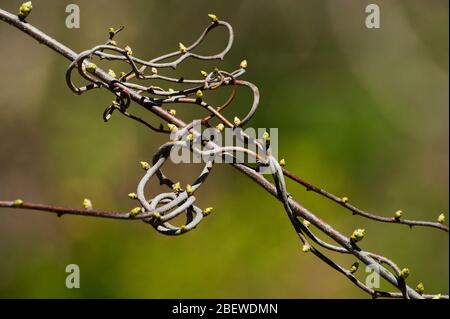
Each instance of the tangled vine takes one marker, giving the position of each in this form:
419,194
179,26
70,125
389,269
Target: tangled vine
161,210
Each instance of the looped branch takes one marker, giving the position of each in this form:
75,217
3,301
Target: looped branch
160,210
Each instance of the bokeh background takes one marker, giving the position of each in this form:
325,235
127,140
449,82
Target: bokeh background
362,113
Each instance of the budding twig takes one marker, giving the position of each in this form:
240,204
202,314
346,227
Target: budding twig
163,208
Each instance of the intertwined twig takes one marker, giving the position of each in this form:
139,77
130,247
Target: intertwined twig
161,210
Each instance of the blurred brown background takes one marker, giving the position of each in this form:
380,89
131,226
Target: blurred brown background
362,113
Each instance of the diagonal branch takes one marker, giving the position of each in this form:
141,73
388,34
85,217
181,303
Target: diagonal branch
125,91
358,211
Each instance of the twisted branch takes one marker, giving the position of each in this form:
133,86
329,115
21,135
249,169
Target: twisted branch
161,210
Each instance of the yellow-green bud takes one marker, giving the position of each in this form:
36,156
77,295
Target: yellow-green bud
156,215
441,218
190,137
154,70
344,199
18,203
25,9
354,267
357,235
243,64
204,73
398,214
266,137
111,32
220,127
176,187
112,73
236,121
87,204
171,90
181,47
132,196
172,128
420,288
189,189
183,229
282,162
306,223
91,67
199,94
145,165
112,42
128,50
207,211
173,112
135,211
122,74
306,248
404,273
438,296
213,17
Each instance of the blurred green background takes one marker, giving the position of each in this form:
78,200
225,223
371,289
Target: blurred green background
362,113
